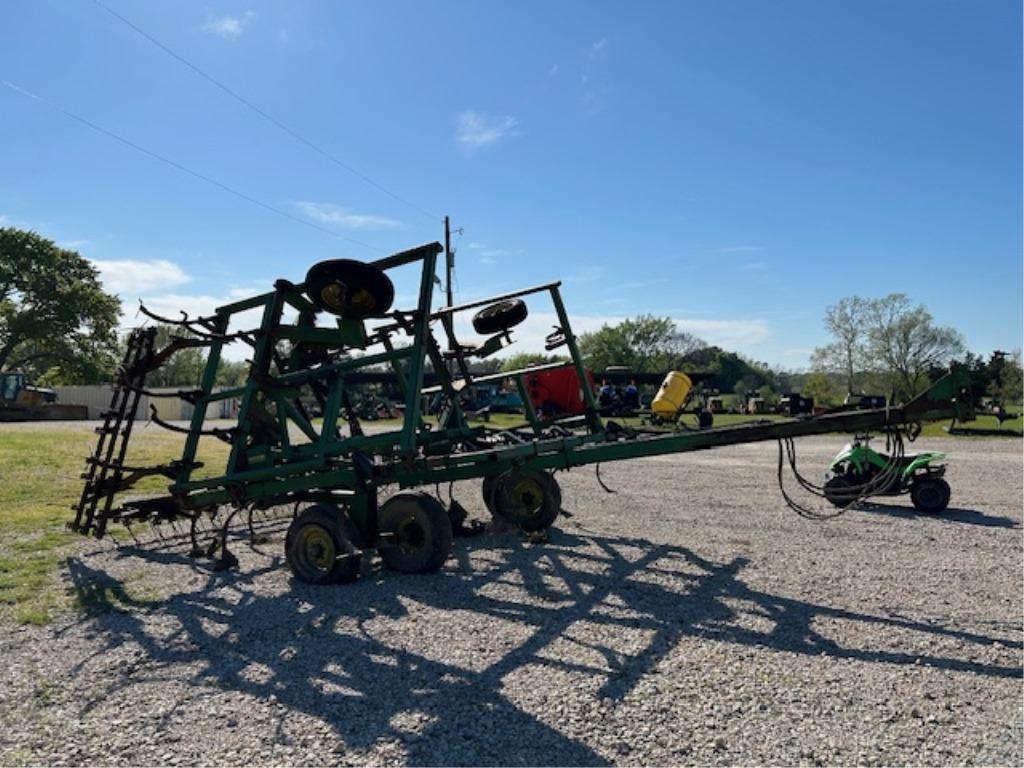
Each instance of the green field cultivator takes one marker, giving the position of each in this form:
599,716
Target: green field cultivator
346,490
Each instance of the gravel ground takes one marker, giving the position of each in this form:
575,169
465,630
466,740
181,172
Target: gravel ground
690,618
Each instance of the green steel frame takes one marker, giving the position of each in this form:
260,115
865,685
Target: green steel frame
266,466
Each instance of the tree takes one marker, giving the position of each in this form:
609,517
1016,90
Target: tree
846,321
1010,385
905,341
528,359
820,387
185,367
885,342
54,312
643,344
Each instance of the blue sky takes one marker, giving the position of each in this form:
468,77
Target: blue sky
734,165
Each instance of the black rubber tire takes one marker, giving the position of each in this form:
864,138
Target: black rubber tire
315,540
837,491
930,494
351,289
500,317
528,498
487,491
705,419
422,533
556,490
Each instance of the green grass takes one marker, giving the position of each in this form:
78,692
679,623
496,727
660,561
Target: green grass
40,484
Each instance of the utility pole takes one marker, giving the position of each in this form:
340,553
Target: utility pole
449,263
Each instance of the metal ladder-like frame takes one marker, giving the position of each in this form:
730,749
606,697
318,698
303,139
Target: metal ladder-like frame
105,467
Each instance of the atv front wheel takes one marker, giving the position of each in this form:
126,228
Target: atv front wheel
930,494
839,491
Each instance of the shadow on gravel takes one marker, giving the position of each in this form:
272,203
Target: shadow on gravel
342,655
949,515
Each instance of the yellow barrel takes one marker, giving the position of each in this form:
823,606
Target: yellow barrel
671,395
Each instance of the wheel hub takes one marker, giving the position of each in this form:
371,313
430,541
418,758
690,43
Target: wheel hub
317,548
410,534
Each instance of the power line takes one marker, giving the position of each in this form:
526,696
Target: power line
265,115
182,168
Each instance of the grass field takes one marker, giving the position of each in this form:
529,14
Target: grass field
41,466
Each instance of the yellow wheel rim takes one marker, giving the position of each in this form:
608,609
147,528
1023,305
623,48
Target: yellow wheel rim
529,493
316,548
334,296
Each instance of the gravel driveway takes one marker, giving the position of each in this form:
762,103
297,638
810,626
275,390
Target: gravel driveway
688,618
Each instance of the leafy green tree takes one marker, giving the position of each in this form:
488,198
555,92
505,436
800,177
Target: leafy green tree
643,344
55,316
821,388
904,340
232,373
1009,388
182,369
885,343
527,359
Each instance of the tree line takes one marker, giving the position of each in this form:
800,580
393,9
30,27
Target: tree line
59,325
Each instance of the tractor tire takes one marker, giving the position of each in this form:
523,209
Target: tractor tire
930,494
321,546
528,498
500,317
418,530
351,289
837,491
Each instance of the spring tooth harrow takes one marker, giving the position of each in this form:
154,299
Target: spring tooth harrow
328,473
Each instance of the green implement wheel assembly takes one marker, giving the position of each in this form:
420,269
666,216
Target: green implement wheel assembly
349,288
500,317
320,546
415,533
528,498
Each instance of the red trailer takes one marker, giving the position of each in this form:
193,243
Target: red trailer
557,392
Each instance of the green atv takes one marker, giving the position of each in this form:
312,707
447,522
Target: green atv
858,464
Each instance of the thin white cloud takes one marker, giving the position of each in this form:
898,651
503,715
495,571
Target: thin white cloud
475,130
228,27
72,245
488,255
129,278
597,48
329,213
553,71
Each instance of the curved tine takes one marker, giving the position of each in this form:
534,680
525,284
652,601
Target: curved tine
189,325
188,395
227,435
161,319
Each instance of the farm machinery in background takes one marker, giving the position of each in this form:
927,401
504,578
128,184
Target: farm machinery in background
348,489
20,401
